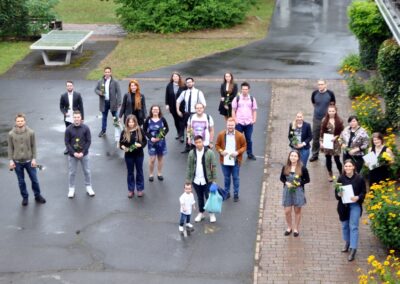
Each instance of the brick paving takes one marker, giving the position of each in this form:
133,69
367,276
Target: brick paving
315,256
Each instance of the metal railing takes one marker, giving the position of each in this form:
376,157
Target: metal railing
390,10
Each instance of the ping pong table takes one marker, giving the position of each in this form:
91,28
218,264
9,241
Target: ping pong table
65,41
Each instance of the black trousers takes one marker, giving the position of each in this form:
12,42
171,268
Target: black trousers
202,195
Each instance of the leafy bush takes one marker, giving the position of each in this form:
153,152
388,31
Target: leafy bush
386,271
351,61
13,20
356,86
165,16
368,25
370,114
388,67
374,85
25,17
383,208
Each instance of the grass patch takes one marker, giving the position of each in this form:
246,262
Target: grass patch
87,11
12,52
146,51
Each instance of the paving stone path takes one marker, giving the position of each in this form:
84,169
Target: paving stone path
315,256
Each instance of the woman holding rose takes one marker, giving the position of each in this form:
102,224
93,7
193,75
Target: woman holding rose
300,136
132,142
332,124
293,176
156,128
350,213
384,154
229,90
354,141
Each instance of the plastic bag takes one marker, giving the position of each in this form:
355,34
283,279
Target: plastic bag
214,203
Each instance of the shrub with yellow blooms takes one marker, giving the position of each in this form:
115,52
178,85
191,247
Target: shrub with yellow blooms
382,203
387,271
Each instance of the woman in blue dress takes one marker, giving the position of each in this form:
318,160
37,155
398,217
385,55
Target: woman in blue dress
156,128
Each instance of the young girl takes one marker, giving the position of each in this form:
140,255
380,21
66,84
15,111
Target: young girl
156,128
187,204
293,176
133,141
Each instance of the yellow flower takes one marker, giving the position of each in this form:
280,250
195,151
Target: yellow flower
371,258
391,251
386,263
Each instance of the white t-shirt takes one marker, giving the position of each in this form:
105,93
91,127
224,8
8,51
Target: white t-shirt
199,177
200,127
187,200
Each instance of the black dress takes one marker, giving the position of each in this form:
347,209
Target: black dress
380,173
170,100
228,98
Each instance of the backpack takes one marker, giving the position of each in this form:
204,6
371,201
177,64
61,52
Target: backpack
238,98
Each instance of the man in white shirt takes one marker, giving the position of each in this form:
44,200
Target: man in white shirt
69,102
201,124
191,96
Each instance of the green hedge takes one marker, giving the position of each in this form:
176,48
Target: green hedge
388,67
166,16
368,25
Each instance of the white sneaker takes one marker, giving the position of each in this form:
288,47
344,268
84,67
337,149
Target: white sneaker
71,192
213,219
190,226
180,228
199,217
89,190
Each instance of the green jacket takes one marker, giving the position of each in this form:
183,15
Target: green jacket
209,162
21,144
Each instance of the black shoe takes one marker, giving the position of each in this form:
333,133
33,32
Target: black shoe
228,196
102,133
181,139
352,254
177,137
40,199
296,234
251,157
66,151
287,233
161,178
24,202
151,179
313,159
346,247
236,198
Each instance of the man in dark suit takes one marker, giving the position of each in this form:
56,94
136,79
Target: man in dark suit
68,99
109,94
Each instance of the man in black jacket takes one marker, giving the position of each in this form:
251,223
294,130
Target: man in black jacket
70,101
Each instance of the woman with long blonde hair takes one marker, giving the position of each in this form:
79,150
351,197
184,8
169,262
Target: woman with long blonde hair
133,102
132,142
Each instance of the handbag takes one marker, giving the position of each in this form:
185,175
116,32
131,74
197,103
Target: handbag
214,203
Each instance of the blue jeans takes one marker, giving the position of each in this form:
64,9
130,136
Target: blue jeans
247,130
233,171
32,173
184,218
105,115
350,227
138,182
304,153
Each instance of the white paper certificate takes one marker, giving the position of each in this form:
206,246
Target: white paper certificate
228,160
328,141
69,117
371,160
348,193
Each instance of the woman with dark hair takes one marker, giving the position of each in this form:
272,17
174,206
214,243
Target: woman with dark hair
229,90
156,128
293,176
134,103
332,124
381,172
354,141
300,136
350,213
172,92
132,142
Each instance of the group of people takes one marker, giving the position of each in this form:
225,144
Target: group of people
329,136
194,127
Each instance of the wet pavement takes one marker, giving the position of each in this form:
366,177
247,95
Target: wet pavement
307,39
108,237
